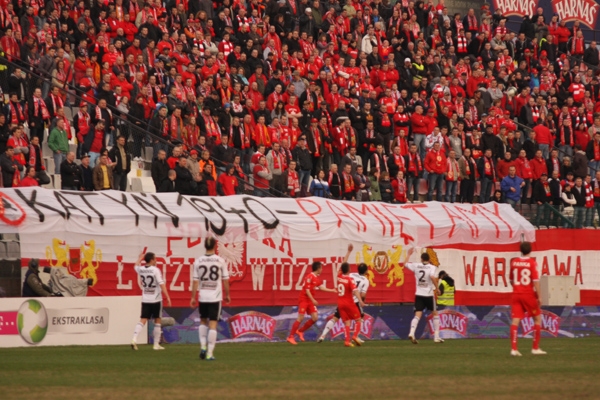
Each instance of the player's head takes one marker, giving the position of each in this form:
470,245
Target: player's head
525,248
362,268
442,274
210,243
345,268
317,266
425,257
150,258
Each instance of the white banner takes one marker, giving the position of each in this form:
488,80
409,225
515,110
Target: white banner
118,214
486,271
66,321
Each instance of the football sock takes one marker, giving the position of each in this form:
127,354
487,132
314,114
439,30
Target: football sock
137,330
513,336
203,332
212,340
436,326
347,333
307,325
294,328
537,332
157,333
329,326
413,325
357,325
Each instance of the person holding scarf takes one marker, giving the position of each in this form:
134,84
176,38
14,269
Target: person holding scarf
435,165
468,176
38,115
452,177
487,174
414,170
291,178
348,188
525,172
399,188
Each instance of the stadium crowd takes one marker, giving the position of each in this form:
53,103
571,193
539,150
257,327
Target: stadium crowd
359,100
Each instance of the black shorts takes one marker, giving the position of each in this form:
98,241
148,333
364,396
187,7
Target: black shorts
151,310
337,311
212,311
422,303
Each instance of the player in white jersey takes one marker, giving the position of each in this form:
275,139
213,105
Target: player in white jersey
362,284
153,285
427,286
211,277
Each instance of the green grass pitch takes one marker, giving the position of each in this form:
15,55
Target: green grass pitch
457,369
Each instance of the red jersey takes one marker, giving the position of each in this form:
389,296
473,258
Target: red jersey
311,282
345,288
523,272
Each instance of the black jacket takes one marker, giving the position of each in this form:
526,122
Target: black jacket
69,175
167,186
115,155
159,171
8,166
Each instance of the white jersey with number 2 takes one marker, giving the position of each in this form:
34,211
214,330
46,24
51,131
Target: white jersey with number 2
210,271
150,279
423,275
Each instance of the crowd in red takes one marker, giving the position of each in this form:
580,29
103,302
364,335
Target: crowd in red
365,97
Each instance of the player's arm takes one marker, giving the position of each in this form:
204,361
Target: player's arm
226,289
323,289
359,296
408,254
195,284
141,257
347,256
436,283
164,290
536,286
310,296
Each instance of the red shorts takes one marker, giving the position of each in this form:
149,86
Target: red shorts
522,303
306,307
349,312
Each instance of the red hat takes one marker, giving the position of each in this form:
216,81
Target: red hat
527,51
534,70
193,152
423,92
314,121
506,112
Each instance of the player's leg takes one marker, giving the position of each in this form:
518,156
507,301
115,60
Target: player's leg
203,329
296,325
517,313
533,308
314,316
436,322
214,317
419,307
331,321
144,316
358,326
157,313
347,320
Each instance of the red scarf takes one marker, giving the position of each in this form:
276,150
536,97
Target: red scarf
452,169
99,115
401,192
293,184
348,183
279,162
317,139
412,165
399,161
14,117
547,189
562,137
175,122
596,151
40,103
489,169
556,166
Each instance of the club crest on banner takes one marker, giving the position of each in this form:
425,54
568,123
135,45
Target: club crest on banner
382,263
82,262
550,323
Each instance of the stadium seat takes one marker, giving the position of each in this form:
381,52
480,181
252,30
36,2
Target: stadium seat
148,153
136,185
147,185
49,162
13,249
57,181
10,237
3,255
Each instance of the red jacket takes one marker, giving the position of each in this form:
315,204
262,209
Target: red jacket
420,124
539,167
435,162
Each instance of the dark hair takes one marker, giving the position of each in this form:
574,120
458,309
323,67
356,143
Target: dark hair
424,257
149,257
345,268
525,248
210,243
362,268
316,265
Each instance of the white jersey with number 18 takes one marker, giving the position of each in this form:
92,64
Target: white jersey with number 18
150,279
210,271
423,275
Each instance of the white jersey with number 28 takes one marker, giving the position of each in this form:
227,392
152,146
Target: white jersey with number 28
150,279
210,271
423,275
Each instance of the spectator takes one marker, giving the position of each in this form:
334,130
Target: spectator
452,177
168,184
580,163
209,180
362,185
70,173
159,169
468,176
103,176
262,176
319,187
399,188
30,178
86,178
184,181
10,168
277,164
303,158
487,174
348,187
58,142
436,166
122,163
511,187
33,285
292,180
228,183
579,194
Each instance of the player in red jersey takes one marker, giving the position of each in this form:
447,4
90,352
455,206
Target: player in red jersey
347,290
526,298
307,302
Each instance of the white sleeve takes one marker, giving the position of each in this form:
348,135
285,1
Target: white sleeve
137,268
364,286
224,269
159,277
433,272
195,270
410,266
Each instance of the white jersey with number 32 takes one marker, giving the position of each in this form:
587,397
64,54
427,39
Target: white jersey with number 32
361,282
150,279
423,275
210,271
